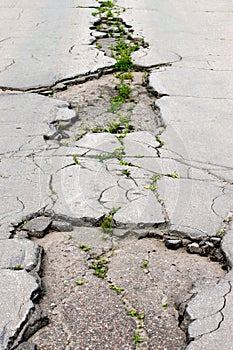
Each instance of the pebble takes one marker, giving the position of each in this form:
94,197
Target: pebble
194,248
173,244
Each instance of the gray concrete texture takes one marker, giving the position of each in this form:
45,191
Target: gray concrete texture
48,41
44,43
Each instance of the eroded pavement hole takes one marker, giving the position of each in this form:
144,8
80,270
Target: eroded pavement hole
98,109
135,301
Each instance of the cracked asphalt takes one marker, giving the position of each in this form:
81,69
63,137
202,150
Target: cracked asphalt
88,190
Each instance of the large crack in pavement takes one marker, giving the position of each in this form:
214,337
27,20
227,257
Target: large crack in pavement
97,165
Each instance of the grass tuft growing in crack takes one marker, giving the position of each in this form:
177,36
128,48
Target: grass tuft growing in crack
16,267
137,339
153,185
79,136
100,267
118,154
108,222
161,143
124,44
77,162
80,282
84,247
118,290
126,172
144,265
173,175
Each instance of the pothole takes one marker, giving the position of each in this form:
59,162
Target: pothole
97,113
134,305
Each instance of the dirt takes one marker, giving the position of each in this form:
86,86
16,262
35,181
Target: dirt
155,281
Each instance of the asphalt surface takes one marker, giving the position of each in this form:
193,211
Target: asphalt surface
168,179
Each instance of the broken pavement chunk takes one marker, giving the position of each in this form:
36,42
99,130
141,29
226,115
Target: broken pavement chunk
61,226
38,227
18,287
19,254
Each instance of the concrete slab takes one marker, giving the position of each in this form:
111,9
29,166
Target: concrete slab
189,204
97,188
25,122
21,289
186,29
206,83
19,254
221,337
65,54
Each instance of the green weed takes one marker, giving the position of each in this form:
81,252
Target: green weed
16,267
114,210
23,223
79,136
98,45
80,282
114,127
107,224
85,248
123,162
133,313
97,129
174,175
100,268
124,76
126,172
118,290
144,264
77,162
124,91
137,339
156,177
161,143
109,4
63,126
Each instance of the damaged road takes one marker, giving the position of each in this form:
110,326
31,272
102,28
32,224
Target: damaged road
108,152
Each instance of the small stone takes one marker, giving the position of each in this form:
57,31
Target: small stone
53,305
210,244
205,249
38,227
202,243
61,226
194,248
216,241
173,244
